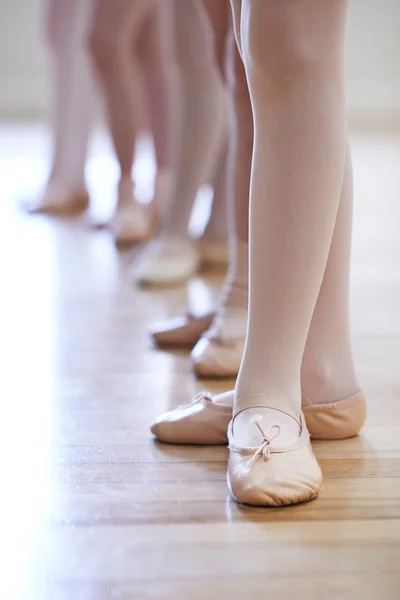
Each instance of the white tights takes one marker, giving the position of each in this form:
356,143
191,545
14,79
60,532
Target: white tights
131,45
203,106
67,22
293,55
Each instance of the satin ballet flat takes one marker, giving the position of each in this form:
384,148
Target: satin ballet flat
271,474
182,331
132,224
333,421
219,351
169,260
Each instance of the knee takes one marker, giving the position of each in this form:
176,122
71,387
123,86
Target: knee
157,59
153,56
103,47
277,45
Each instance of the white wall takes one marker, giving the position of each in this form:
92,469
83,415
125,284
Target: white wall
22,58
372,59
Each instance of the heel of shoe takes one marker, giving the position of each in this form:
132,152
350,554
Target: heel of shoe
335,421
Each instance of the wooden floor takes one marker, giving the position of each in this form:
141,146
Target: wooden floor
92,508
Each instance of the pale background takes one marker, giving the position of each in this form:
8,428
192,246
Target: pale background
372,60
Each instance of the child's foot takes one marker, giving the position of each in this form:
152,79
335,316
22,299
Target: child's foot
132,222
58,199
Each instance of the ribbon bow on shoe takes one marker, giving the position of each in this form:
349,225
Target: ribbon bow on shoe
267,438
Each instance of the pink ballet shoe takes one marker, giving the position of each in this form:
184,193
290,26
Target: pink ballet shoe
219,351
190,423
57,200
333,421
272,474
181,331
165,261
214,256
131,225
132,222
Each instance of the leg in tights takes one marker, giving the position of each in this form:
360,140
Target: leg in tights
232,182
174,256
115,27
157,59
203,111
113,43
219,14
328,373
73,102
293,54
241,126
207,354
215,235
220,349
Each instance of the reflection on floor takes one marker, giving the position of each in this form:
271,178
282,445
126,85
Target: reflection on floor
92,508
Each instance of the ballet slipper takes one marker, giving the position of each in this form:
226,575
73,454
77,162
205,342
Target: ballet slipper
335,420
214,256
181,331
133,222
58,200
272,474
202,421
131,225
190,423
169,260
219,351
330,421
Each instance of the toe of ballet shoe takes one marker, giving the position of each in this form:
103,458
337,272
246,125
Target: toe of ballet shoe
289,475
159,275
277,492
130,227
163,270
183,331
215,358
128,238
200,422
337,420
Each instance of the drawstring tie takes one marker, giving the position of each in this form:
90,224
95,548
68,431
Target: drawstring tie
267,437
198,398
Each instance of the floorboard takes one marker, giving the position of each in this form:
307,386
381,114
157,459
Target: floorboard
92,508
